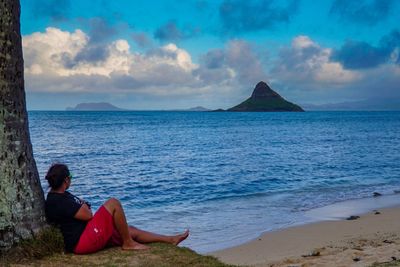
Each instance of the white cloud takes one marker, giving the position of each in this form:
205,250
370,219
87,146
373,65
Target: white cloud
59,61
333,72
302,41
53,55
43,52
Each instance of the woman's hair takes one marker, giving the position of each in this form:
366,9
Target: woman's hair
56,175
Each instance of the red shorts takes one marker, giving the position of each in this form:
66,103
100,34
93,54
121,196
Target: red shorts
99,232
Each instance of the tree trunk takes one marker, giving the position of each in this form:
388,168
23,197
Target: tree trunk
21,195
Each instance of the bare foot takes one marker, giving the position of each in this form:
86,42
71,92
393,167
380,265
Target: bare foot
134,246
179,238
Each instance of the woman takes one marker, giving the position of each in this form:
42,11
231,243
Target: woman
86,233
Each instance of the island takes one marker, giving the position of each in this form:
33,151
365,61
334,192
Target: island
101,106
197,109
265,99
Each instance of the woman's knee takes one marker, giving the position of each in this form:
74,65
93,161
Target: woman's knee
112,203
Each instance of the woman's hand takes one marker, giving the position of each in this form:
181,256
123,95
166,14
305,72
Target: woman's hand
84,213
85,202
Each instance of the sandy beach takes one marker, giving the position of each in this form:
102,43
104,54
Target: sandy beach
373,237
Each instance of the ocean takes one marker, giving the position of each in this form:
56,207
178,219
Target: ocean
227,177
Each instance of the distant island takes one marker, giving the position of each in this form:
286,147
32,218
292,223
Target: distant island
198,108
265,99
101,106
104,106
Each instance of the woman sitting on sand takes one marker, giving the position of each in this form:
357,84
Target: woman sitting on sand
86,233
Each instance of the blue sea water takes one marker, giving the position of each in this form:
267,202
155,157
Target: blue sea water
226,176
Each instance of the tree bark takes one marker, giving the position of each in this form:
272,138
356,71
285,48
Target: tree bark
21,195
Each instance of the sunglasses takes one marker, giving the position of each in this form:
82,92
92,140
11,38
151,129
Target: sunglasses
70,176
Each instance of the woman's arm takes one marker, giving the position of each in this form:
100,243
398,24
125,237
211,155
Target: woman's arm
84,213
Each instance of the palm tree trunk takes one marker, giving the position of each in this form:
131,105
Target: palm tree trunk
21,195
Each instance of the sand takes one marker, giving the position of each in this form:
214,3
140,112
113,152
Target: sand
374,237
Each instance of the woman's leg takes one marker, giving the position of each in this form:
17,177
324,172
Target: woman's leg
148,237
115,208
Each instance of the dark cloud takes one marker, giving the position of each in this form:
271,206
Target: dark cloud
66,60
100,30
55,9
213,59
252,15
363,12
361,55
171,32
168,32
390,42
93,53
142,39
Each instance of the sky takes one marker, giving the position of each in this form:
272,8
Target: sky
152,55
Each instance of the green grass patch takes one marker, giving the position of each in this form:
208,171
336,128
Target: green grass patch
46,250
45,243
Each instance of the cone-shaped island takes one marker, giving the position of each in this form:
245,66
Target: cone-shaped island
264,98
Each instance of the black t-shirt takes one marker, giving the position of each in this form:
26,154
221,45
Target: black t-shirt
60,210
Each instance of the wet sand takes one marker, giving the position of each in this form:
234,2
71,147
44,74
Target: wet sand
373,237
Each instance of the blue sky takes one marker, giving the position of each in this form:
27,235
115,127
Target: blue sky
180,54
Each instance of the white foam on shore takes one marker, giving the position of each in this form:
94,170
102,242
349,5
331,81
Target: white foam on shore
344,209
333,212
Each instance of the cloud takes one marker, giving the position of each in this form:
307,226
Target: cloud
168,32
236,63
171,32
47,54
381,83
55,9
91,53
303,71
307,72
361,55
362,12
52,65
391,43
245,16
142,39
100,30
96,49
305,61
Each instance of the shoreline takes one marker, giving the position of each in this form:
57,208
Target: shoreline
330,239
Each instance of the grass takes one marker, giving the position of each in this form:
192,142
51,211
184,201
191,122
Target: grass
46,243
47,250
